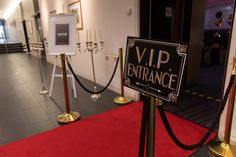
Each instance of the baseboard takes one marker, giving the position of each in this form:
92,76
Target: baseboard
233,135
232,138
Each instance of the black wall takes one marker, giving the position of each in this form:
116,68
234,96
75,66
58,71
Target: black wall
175,28
172,29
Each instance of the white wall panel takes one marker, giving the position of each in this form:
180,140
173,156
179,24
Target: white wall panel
232,54
108,16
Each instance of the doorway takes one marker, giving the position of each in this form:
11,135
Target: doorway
217,29
188,21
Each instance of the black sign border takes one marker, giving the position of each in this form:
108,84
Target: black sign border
181,51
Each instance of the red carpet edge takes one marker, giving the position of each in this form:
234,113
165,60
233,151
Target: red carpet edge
111,134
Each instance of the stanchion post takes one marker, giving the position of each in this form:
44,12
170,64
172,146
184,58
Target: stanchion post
230,110
143,129
121,99
65,83
68,116
148,125
223,148
121,72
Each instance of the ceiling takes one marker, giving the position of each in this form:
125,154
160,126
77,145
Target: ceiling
215,3
210,3
3,5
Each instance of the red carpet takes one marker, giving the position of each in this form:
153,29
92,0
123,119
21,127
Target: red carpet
112,134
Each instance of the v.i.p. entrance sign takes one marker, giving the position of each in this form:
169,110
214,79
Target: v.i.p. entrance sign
154,67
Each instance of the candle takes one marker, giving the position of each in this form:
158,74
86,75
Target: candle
78,37
100,34
90,35
95,39
38,37
86,35
234,59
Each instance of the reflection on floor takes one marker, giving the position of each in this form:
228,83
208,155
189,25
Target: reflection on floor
23,112
210,81
200,102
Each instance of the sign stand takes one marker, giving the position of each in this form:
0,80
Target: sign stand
61,38
148,125
60,75
151,129
154,68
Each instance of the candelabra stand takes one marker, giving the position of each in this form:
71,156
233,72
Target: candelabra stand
92,48
37,47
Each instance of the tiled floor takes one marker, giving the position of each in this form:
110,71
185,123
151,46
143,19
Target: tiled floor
23,112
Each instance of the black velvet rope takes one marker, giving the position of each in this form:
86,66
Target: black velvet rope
211,129
89,91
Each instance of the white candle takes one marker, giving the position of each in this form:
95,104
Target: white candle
86,35
90,35
95,38
38,36
100,34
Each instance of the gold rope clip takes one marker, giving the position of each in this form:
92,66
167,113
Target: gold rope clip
158,102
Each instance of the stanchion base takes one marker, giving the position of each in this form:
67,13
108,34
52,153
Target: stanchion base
68,117
122,100
218,148
43,92
95,97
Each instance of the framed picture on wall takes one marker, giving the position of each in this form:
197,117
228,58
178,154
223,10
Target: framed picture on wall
75,8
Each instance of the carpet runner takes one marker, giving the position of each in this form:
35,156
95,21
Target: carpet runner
111,134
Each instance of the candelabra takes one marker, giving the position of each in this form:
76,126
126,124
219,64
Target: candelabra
92,47
38,47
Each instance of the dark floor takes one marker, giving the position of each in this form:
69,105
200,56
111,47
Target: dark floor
23,112
200,101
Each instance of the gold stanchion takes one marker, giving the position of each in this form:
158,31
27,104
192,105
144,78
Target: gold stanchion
69,116
121,99
225,148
